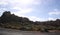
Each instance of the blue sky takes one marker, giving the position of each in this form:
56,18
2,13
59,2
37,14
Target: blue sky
35,10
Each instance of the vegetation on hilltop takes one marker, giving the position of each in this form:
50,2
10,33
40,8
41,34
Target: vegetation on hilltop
8,20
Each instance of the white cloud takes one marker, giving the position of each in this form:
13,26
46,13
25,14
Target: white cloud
52,18
3,9
45,2
22,6
22,11
3,3
22,1
26,11
54,12
34,18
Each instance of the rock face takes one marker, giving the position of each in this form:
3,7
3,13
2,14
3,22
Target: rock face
8,17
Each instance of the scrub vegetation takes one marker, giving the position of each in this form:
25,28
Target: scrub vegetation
11,21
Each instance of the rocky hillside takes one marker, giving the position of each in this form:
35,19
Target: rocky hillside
8,20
